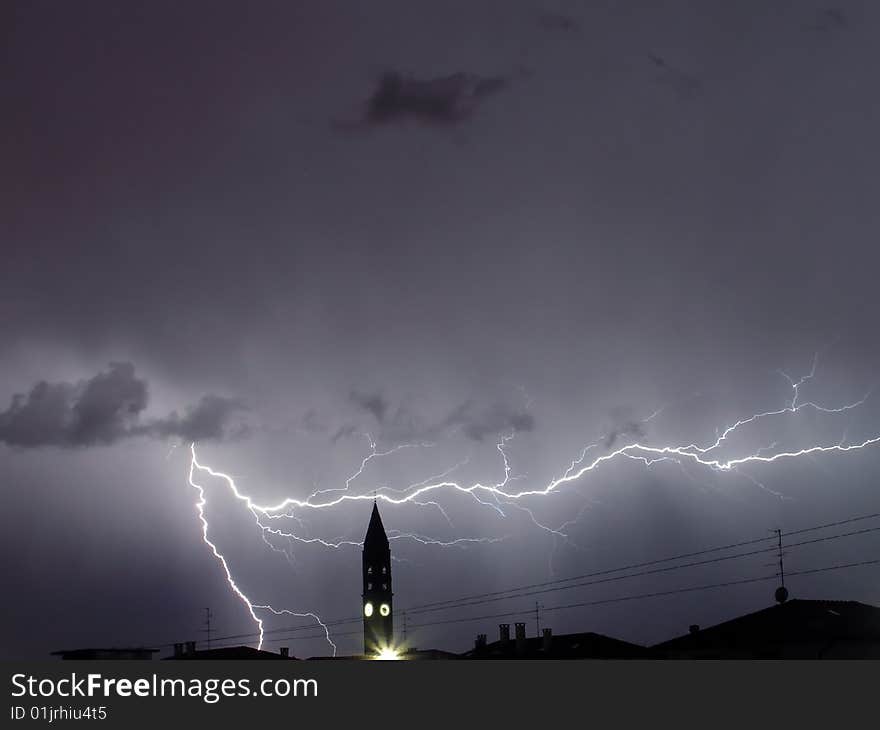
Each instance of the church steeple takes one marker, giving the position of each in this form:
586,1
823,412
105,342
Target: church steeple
376,531
377,594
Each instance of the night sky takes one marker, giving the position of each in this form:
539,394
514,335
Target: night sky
285,231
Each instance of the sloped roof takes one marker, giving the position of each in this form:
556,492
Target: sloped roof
231,652
106,653
790,622
587,645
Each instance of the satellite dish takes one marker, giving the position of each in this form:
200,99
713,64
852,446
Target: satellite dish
781,594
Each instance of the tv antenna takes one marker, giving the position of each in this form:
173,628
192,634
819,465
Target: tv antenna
781,592
207,623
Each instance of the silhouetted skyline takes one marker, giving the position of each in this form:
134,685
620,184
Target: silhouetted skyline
359,250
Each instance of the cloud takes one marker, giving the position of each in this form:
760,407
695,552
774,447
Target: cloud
478,423
404,426
442,100
209,420
500,418
107,405
105,409
629,431
372,403
624,427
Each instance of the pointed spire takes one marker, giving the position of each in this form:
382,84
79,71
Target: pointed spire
376,530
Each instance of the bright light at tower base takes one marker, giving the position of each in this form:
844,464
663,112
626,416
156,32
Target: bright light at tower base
388,653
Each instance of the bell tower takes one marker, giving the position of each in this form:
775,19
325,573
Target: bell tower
377,606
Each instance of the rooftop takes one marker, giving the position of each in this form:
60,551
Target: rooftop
795,628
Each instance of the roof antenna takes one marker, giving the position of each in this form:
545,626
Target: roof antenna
781,592
207,624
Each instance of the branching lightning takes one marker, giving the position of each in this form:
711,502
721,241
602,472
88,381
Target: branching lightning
501,495
309,614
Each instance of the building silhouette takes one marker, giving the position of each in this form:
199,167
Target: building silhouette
377,594
187,650
796,629
136,652
792,629
586,645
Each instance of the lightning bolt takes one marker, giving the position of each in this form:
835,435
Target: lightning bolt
500,495
309,614
200,509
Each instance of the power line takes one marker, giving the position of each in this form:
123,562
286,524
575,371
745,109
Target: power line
502,594
781,563
657,594
461,603
604,601
616,578
643,573
339,622
606,571
649,563
303,638
838,523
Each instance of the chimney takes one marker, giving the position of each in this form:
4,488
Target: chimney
694,628
178,650
284,651
504,632
520,638
480,643
546,640
190,647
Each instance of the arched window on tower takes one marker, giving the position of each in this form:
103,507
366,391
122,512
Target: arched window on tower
384,570
370,570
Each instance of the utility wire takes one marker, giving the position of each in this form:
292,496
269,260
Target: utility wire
657,594
649,563
465,601
642,573
604,601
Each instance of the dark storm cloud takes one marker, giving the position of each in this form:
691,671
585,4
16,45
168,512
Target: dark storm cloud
442,100
500,418
208,420
588,234
372,403
479,422
99,410
476,422
106,405
105,409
